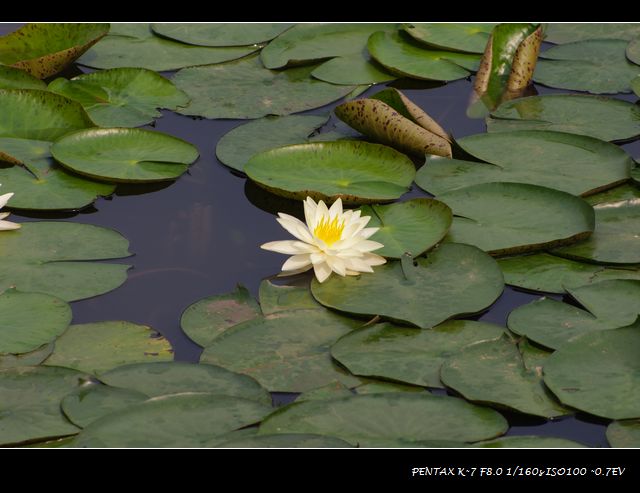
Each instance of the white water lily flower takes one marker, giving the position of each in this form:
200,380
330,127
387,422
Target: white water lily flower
331,241
6,225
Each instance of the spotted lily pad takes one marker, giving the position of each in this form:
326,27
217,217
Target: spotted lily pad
624,434
408,355
503,218
466,37
609,305
101,346
44,49
54,257
568,32
13,78
30,320
356,172
220,34
121,97
453,280
287,351
362,419
125,154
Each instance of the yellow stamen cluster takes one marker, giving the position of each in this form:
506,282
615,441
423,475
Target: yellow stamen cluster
329,232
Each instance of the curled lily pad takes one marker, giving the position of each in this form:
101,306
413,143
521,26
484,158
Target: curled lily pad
354,69
121,97
503,218
220,34
599,373
13,78
453,280
125,154
408,355
43,50
624,434
568,32
101,346
362,419
55,258
466,37
236,147
412,227
356,172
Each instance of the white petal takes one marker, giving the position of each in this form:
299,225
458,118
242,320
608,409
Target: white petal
367,246
317,258
289,247
357,265
368,232
373,259
321,211
310,212
336,209
337,265
294,226
294,272
4,214
4,199
355,227
297,262
322,271
7,225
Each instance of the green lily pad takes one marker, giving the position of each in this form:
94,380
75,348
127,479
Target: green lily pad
633,49
286,351
599,373
240,434
41,184
383,387
503,218
44,49
551,274
402,55
466,37
30,320
220,34
408,355
245,89
354,69
356,172
277,298
529,441
13,78
30,403
609,305
308,42
162,378
624,434
102,346
635,175
596,116
567,32
33,358
182,420
399,416
413,227
92,401
66,442
209,317
236,147
615,239
494,373
635,85
135,45
453,280
330,391
621,192
52,257
598,66
287,440
121,97
588,165
127,155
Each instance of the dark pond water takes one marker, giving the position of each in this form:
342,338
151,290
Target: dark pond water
201,235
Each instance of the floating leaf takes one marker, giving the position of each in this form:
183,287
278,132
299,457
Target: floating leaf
209,317
330,391
51,257
382,387
494,373
43,50
354,69
453,280
32,358
125,154
121,97
287,351
598,66
30,403
356,172
236,147
101,346
621,192
13,78
186,421
503,218
610,304
135,45
615,239
529,441
308,42
220,34
30,320
551,274
287,440
245,89
240,434
633,49
275,298
596,116
362,419
162,378
466,37
92,401
402,55
624,434
599,373
408,355
567,32
412,227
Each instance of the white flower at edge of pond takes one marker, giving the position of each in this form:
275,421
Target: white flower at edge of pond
331,241
6,225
